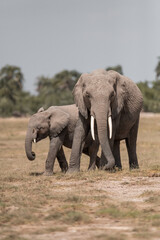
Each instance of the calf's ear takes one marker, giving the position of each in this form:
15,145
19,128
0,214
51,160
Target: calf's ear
58,121
40,110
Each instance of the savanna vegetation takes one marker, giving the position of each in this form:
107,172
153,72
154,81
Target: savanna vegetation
99,205
57,90
95,205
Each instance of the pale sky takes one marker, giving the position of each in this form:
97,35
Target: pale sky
44,37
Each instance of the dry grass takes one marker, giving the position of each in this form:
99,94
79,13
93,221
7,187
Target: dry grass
88,205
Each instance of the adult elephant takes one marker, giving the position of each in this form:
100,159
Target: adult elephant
114,102
57,123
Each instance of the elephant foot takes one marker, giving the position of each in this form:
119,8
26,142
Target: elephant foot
118,168
64,167
133,166
92,168
48,173
104,167
72,170
109,169
64,170
101,168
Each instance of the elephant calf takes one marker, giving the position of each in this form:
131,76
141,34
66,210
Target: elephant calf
58,122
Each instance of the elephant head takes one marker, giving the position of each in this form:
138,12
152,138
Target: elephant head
102,95
42,124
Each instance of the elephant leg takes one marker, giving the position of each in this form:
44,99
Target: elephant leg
93,150
86,151
116,154
103,161
62,160
98,162
55,144
80,134
131,146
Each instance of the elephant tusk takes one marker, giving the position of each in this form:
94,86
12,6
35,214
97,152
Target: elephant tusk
34,140
110,126
92,127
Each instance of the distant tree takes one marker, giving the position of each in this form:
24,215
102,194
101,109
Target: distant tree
58,89
43,84
151,96
157,69
117,68
12,97
12,74
11,82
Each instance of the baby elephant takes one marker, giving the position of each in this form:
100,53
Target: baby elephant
58,122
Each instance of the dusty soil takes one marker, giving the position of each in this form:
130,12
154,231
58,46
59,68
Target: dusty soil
132,191
88,205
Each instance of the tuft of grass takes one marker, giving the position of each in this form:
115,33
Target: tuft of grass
112,236
115,212
156,168
154,219
74,198
142,235
143,232
69,217
76,217
14,237
50,230
54,216
156,223
152,197
146,193
56,229
19,216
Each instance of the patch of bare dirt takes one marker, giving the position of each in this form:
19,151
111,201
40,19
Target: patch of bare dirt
130,189
149,114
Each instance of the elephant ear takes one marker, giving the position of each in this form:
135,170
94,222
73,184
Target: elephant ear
40,110
78,96
119,85
58,121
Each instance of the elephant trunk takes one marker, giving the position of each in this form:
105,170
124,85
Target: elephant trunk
28,146
103,132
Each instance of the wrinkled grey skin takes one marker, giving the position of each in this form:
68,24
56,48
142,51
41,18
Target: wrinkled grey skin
57,122
101,94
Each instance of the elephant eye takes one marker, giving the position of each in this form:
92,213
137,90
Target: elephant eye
88,95
112,95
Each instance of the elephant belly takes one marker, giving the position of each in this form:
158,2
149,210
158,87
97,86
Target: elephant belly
121,134
68,141
124,127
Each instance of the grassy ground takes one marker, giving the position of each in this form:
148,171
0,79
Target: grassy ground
87,205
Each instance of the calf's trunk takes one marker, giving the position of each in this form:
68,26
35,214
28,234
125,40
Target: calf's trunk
28,146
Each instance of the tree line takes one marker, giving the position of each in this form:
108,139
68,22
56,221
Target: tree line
57,90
